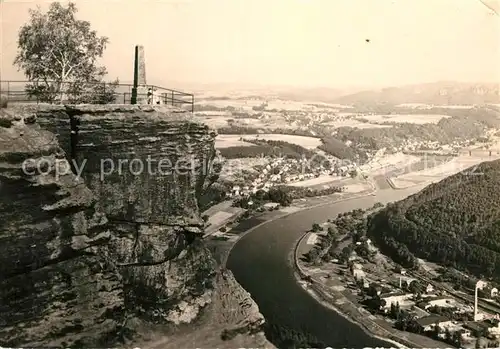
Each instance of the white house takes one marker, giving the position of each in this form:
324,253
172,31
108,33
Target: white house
427,323
370,245
359,274
236,190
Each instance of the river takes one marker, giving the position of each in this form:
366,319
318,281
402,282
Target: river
260,262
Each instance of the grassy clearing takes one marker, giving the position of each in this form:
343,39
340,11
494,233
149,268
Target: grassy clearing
225,140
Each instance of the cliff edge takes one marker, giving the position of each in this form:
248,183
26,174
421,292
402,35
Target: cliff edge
101,233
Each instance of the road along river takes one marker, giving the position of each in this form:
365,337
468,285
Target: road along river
261,262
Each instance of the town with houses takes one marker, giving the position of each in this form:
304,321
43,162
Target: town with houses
432,311
282,171
410,304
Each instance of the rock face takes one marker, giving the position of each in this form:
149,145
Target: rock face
51,284
99,223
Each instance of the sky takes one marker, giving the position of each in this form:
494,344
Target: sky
303,43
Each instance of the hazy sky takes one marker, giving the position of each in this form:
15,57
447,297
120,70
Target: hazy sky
286,42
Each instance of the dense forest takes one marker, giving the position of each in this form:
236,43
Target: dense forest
262,147
455,222
339,149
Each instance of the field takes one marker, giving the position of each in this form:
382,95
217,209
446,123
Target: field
454,106
428,106
292,105
413,105
435,174
357,188
222,120
244,104
379,165
324,179
405,118
224,141
220,217
215,121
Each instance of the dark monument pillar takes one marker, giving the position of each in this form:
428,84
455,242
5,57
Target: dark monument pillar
139,90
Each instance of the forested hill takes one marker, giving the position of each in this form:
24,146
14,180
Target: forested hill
455,222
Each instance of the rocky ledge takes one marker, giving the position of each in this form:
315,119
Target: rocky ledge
95,250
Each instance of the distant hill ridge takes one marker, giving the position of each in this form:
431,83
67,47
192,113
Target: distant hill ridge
437,93
434,93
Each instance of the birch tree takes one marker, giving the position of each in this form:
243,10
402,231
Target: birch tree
58,53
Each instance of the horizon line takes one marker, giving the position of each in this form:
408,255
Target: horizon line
249,85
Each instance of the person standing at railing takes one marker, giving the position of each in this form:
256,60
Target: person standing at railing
150,95
156,97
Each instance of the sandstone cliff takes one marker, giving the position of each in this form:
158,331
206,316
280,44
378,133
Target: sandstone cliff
101,234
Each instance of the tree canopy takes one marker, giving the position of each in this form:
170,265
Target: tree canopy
58,53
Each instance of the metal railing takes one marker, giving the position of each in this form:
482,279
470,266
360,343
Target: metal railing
92,93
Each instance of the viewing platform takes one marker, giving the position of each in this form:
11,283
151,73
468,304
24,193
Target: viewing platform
95,93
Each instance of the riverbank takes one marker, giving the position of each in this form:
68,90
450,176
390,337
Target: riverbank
343,306
261,264
290,210
294,210
337,296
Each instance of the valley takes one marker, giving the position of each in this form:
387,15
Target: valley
301,174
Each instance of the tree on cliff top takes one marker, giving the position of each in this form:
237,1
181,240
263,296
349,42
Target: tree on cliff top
58,54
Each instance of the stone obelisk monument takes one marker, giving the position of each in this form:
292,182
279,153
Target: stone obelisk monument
140,90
